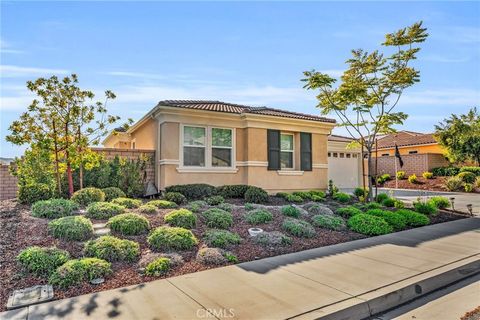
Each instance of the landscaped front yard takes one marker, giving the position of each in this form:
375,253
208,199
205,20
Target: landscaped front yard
163,239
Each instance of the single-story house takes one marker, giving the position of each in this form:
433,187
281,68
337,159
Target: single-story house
224,143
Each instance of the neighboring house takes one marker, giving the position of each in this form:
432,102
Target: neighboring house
223,143
344,162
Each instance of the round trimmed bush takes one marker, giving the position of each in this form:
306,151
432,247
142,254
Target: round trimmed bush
214,200
193,191
76,271
298,228
394,219
328,222
158,267
197,206
467,177
221,238
373,205
440,202
104,210
147,209
113,193
176,197
162,204
72,228
256,195
218,218
129,224
34,192
127,202
341,197
427,208
272,239
171,238
291,211
112,249
360,192
389,202
211,256
293,198
413,219
232,191
86,196
369,225
380,197
42,261
315,208
348,212
181,218
54,208
226,206
258,216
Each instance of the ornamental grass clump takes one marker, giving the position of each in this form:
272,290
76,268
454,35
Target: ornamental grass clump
427,208
258,216
112,249
440,202
298,228
394,219
293,198
453,184
413,219
129,224
369,225
163,204
221,238
158,267
171,238
86,196
467,177
389,202
341,197
113,193
348,212
181,218
413,179
217,218
128,203
54,208
328,222
72,228
76,271
427,175
42,261
104,210
291,211
380,197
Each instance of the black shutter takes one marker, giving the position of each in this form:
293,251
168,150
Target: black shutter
273,149
305,151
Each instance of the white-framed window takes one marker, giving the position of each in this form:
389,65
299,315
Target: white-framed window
207,147
286,150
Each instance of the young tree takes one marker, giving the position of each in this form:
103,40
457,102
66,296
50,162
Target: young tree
460,135
371,88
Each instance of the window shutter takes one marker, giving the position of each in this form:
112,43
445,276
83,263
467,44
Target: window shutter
305,151
273,149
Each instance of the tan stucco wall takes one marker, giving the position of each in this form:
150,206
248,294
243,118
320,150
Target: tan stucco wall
421,149
145,136
169,140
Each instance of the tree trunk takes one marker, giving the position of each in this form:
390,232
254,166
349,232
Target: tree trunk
369,166
81,175
70,180
57,168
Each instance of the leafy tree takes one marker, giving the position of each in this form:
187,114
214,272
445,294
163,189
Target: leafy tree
460,135
371,88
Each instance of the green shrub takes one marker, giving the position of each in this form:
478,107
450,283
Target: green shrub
291,211
440,202
158,267
231,257
467,177
427,175
42,261
104,210
282,195
113,193
445,171
413,179
258,216
360,192
221,238
341,197
129,224
298,228
305,195
112,249
147,209
225,206
181,218
315,209
348,212
474,170
317,198
256,195
218,218
389,202
249,206
162,204
214,200
383,178
293,198
272,239
193,191
328,222
34,192
86,196
316,193
176,197
427,208
232,191
477,183
128,202
401,175
197,206
74,228
394,219
74,272
54,208
171,238
381,196
399,204
369,225
373,205
468,187
453,184
412,218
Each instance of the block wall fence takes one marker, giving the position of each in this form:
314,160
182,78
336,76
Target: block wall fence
412,163
8,183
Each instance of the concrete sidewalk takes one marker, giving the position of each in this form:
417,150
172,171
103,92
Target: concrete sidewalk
359,277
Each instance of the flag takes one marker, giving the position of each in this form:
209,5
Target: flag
397,155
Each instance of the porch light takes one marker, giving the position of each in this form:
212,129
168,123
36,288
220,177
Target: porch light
470,208
452,201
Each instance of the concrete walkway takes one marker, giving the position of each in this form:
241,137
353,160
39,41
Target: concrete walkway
357,278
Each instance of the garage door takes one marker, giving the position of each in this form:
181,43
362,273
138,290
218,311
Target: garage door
343,169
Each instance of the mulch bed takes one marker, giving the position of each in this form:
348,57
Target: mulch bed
435,184
18,230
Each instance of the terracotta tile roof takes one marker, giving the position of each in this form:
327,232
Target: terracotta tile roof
220,106
335,137
405,138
